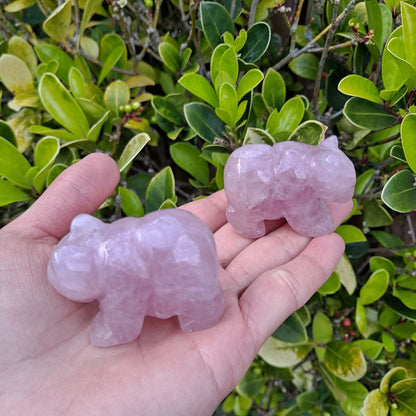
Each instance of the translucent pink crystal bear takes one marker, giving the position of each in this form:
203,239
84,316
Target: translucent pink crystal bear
162,265
292,180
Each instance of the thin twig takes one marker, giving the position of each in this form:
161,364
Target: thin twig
411,228
322,61
294,27
253,11
378,143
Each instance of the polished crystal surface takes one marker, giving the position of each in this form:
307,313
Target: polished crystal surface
161,265
290,180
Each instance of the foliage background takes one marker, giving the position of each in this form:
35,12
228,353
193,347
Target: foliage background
170,88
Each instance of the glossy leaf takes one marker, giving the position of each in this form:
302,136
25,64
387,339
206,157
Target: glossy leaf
355,240
399,193
408,135
116,94
62,106
48,52
15,75
10,193
404,392
170,56
57,25
375,287
377,262
369,347
215,21
291,330
289,117
274,89
168,110
132,149
161,187
345,360
224,60
248,82
361,317
77,83
331,286
368,115
310,132
46,151
110,63
204,121
91,7
228,103
321,328
13,165
398,306
188,158
94,131
256,135
18,5
130,203
54,172
376,404
6,132
200,87
305,66
358,86
392,377
22,49
408,13
346,274
283,354
375,215
258,39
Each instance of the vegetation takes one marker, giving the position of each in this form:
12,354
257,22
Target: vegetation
169,89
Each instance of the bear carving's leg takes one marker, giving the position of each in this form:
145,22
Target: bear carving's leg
195,320
246,223
113,327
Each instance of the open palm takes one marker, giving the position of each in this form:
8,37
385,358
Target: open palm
47,364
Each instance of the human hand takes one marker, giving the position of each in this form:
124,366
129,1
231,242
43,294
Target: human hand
47,364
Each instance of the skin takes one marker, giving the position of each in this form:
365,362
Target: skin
47,364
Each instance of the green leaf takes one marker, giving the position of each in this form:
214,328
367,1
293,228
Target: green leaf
132,149
108,44
391,377
130,203
77,83
310,132
408,134
170,56
375,287
377,263
376,404
116,94
57,25
54,172
408,13
408,297
251,384
13,165
368,115
228,102
401,67
188,158
15,75
283,354
6,132
23,50
18,5
161,187
305,66
375,215
345,360
47,52
91,7
204,121
167,109
406,330
215,21
248,82
289,116
369,347
291,330
331,286
10,193
358,86
360,317
321,328
404,392
346,274
200,87
256,135
274,90
94,132
355,240
110,63
258,39
375,21
399,193
398,306
46,151
224,59
62,106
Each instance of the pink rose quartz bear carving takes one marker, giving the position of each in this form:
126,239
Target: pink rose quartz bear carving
292,180
162,265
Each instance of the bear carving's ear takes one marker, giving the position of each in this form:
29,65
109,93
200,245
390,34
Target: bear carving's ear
85,223
330,143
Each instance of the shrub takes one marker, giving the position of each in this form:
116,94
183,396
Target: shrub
170,89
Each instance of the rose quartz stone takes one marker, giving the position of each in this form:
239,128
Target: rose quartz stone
162,265
290,180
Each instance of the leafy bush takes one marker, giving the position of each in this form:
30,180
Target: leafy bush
170,89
